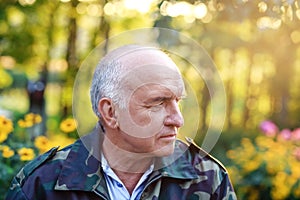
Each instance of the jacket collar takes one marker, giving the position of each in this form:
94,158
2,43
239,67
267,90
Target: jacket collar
82,170
178,165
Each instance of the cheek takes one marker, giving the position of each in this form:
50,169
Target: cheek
141,123
149,118
139,117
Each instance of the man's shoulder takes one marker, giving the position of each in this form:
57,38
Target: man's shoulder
44,164
30,167
196,154
209,179
40,176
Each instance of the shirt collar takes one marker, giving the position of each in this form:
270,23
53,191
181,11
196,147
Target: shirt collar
82,168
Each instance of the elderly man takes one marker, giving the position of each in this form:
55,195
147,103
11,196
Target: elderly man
133,152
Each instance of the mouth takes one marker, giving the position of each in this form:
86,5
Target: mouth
168,136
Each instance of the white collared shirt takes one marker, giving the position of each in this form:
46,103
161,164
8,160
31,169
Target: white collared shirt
116,189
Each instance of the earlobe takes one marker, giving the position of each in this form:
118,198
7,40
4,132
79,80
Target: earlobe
107,110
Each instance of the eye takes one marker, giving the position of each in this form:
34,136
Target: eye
160,103
155,106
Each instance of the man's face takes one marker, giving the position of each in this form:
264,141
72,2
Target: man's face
149,123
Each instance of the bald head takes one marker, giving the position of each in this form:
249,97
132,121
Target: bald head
135,55
116,72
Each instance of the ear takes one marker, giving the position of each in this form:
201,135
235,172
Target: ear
107,110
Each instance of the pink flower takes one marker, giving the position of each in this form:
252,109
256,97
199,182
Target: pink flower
296,134
285,134
268,128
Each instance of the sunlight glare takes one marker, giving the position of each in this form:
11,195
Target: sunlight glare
81,8
295,36
200,10
268,23
15,16
298,13
207,18
142,6
94,10
256,76
189,19
109,9
262,6
26,2
177,9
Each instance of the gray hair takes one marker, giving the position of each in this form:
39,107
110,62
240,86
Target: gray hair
106,83
108,75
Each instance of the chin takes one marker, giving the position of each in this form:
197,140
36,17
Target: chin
165,150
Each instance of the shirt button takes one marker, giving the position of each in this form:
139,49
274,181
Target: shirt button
143,195
164,173
119,184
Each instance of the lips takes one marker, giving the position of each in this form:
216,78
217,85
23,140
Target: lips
168,136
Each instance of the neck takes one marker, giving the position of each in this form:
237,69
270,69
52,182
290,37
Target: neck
128,166
125,161
130,180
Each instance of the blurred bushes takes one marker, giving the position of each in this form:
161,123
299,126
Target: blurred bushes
267,167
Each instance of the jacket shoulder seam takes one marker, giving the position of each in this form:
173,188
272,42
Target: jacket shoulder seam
205,154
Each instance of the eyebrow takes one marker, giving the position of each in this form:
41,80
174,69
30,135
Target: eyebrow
161,98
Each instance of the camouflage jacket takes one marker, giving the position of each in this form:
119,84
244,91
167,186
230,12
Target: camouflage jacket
72,173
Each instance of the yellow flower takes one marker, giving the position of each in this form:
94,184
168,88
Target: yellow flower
251,165
278,157
281,187
42,143
7,152
6,127
68,125
35,118
30,120
295,169
6,124
264,142
60,140
25,124
26,154
3,136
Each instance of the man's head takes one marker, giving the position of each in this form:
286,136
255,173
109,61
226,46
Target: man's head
135,93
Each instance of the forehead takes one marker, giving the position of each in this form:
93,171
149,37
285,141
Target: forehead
141,56
156,91
148,67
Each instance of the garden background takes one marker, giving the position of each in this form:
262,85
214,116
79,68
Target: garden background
253,43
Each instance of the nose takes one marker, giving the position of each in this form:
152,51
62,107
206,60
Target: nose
174,116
